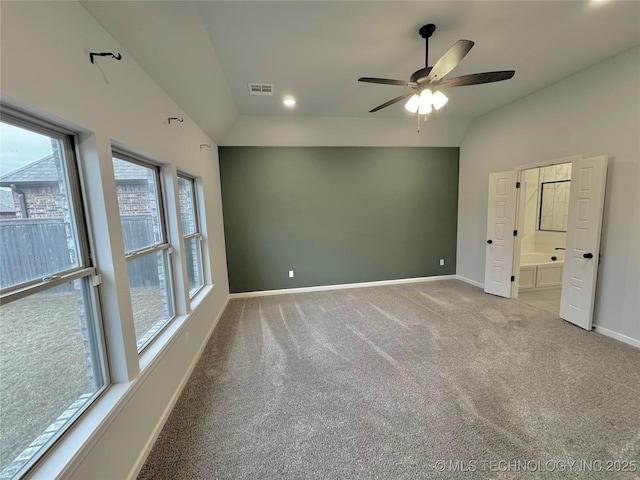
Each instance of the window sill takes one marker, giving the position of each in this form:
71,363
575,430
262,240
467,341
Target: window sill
154,352
66,455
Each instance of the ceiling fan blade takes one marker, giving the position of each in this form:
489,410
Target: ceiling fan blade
477,78
449,60
392,101
388,81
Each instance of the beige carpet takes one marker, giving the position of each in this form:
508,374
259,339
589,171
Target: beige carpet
422,380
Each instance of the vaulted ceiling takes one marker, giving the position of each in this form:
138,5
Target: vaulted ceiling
204,54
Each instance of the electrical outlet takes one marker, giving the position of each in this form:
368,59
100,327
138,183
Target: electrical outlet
290,273
442,261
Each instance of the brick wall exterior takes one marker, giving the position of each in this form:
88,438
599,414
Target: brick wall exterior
46,201
134,198
186,210
42,202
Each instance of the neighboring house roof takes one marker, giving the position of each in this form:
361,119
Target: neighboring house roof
128,171
41,171
6,201
44,171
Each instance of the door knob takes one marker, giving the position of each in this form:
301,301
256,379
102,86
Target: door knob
489,242
587,255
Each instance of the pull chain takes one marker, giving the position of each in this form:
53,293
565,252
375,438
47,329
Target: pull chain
425,120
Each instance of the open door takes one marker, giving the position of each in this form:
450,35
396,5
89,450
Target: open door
586,203
500,228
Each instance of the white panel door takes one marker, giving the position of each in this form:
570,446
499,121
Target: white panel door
586,203
501,221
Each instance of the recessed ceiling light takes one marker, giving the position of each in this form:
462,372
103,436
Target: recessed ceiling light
289,102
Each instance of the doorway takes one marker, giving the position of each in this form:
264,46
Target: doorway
582,242
543,234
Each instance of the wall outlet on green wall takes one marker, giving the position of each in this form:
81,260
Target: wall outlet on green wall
290,273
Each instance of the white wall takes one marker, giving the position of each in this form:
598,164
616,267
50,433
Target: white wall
157,35
342,131
46,70
594,112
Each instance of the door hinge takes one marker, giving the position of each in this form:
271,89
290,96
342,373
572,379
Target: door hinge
513,279
517,184
96,280
515,233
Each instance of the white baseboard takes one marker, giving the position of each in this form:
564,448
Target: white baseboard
321,288
604,331
469,281
618,336
167,411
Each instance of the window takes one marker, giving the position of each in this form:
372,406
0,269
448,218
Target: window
146,247
192,235
553,188
51,345
554,206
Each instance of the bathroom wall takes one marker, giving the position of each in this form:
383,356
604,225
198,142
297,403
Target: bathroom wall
531,186
547,241
535,240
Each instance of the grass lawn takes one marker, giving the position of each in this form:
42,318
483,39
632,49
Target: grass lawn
43,367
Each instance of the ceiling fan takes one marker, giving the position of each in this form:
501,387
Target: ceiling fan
427,78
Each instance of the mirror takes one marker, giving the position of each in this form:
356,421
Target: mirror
554,206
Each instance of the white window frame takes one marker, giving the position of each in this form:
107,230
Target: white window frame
84,270
164,246
198,233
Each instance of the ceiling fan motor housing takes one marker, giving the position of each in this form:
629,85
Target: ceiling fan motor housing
420,76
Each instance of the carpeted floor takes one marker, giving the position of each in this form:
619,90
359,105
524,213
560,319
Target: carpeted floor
421,380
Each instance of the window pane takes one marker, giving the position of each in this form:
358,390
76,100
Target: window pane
49,368
151,296
187,206
138,199
193,253
193,246
37,231
554,205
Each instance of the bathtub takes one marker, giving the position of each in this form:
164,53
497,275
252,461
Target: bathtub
538,270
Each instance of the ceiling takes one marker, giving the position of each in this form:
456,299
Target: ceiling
204,54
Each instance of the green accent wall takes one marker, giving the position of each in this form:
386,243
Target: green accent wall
337,215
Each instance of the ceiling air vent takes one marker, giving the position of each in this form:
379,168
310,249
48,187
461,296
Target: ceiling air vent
261,89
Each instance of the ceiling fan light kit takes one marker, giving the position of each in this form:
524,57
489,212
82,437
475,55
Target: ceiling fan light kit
423,99
426,102
413,103
439,100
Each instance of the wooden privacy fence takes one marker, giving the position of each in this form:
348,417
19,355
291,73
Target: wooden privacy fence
33,248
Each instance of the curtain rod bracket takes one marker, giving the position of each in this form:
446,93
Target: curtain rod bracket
117,56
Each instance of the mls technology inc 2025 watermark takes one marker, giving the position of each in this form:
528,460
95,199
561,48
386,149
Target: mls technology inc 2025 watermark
518,465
